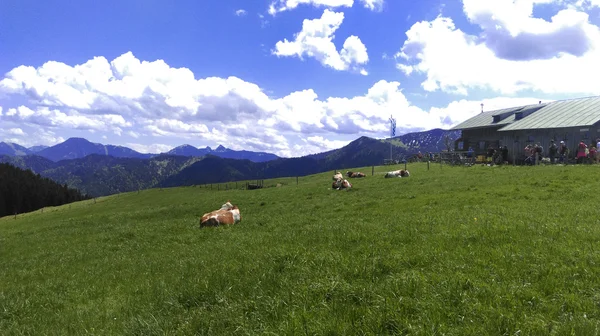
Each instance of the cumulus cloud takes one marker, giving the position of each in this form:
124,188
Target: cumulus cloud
512,33
514,52
278,6
374,5
285,5
154,103
319,142
133,134
26,135
240,12
316,40
15,131
71,119
152,148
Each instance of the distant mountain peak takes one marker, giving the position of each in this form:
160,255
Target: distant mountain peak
185,146
220,148
77,139
9,148
38,148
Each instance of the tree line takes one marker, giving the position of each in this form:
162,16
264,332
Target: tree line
23,191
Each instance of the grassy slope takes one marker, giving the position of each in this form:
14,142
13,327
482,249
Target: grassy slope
455,251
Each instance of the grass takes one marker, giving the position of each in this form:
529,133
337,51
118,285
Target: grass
448,251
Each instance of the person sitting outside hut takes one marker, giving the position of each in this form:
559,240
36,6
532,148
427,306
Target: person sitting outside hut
490,154
471,155
593,156
552,151
581,152
529,154
538,153
563,152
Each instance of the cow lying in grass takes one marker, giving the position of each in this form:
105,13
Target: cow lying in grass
228,214
355,174
398,173
339,182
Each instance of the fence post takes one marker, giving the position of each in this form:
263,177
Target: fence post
427,164
372,170
15,215
405,165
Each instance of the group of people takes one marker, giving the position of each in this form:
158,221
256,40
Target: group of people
560,153
495,156
535,154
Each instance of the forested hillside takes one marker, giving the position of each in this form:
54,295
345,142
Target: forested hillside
23,191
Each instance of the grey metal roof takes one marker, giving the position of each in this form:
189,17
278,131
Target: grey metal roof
486,119
559,114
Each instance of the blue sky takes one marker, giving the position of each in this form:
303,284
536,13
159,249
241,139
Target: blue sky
430,63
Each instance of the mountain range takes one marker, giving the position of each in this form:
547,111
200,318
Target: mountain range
99,170
77,148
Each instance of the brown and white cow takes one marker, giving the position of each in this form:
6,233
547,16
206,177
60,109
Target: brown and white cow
228,214
355,174
338,176
341,184
397,173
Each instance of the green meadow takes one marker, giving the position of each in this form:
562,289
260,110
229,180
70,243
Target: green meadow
448,251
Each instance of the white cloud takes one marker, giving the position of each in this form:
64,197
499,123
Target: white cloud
316,40
133,134
374,5
15,131
153,148
240,12
515,51
406,69
71,119
278,6
284,5
157,104
321,143
29,136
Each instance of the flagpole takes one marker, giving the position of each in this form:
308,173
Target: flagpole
392,133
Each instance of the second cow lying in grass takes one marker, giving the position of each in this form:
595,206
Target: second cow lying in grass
228,214
397,173
355,174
